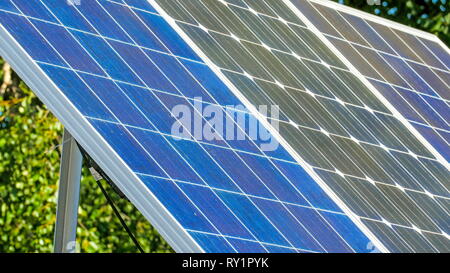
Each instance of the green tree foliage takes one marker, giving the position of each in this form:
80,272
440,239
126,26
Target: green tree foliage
29,169
429,15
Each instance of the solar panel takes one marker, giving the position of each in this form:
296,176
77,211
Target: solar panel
410,68
349,175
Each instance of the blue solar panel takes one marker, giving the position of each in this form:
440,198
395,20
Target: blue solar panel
123,69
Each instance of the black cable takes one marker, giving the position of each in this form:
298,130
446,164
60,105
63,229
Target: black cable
98,176
111,203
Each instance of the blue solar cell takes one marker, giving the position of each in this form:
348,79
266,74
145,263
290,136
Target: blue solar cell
438,51
432,79
181,207
168,36
293,229
77,92
367,32
251,216
314,16
128,148
445,135
7,5
106,57
179,76
101,21
440,106
399,103
240,174
30,39
416,101
66,14
280,186
148,103
203,163
36,10
313,221
144,67
435,140
242,246
134,27
119,103
159,147
343,226
279,153
445,76
276,249
198,116
210,204
72,52
409,75
304,183
211,82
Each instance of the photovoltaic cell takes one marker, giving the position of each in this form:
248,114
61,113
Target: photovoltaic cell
124,67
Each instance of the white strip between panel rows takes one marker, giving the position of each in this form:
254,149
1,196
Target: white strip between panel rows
358,74
267,125
88,137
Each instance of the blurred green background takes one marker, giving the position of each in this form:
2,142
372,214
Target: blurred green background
29,160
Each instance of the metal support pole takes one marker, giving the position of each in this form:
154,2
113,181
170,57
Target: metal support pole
68,196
